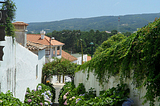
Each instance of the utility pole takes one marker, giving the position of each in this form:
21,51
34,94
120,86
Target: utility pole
81,50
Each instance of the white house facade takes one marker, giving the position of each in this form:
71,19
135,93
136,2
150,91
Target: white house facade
53,47
79,58
20,68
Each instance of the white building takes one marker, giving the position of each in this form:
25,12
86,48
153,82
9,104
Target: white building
79,58
20,68
53,47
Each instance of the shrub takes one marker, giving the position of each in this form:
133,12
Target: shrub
44,94
114,96
66,88
8,100
69,95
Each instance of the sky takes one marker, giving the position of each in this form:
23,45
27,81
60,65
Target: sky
55,10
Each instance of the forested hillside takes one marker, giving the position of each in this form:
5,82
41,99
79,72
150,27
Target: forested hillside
71,38
128,23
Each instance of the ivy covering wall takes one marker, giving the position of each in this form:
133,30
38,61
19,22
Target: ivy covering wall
139,52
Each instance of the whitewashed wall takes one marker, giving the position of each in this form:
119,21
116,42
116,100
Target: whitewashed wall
135,94
79,59
18,68
74,61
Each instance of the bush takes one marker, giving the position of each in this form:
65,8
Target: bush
52,89
8,100
66,88
114,96
34,97
43,95
69,95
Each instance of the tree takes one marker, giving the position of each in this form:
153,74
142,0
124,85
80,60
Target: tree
11,8
113,40
114,32
58,67
127,34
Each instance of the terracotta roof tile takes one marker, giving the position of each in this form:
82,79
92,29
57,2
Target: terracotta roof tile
88,58
34,46
67,56
20,23
36,38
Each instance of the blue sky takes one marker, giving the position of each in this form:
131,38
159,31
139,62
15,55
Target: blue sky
54,10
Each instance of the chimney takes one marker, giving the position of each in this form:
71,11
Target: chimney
21,32
42,34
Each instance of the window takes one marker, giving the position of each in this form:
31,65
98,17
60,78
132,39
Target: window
36,71
47,53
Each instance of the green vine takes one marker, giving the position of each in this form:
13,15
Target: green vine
139,52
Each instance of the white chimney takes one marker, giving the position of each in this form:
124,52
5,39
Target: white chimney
42,34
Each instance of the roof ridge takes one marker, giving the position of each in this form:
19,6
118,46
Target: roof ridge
36,38
33,34
47,39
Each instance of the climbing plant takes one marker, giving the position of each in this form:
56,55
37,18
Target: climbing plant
139,52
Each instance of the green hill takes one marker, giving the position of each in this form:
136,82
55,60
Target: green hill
128,23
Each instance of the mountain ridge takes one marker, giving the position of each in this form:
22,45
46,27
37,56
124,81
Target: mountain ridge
128,23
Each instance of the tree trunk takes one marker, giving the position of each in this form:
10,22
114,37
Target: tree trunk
59,78
63,79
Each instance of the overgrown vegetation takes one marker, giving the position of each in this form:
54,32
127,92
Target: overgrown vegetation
139,52
7,99
78,96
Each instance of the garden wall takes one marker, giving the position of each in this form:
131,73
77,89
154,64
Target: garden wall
135,94
20,68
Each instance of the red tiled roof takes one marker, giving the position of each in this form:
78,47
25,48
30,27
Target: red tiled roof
36,38
88,58
20,23
67,56
34,46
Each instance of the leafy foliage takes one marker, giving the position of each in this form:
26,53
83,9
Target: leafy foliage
58,67
70,38
139,52
113,40
44,94
66,88
8,100
114,96
11,8
33,97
